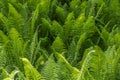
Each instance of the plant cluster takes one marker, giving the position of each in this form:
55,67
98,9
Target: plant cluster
59,40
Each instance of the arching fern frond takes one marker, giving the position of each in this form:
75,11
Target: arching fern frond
58,68
12,75
3,73
30,72
93,64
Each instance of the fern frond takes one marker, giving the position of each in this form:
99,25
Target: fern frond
67,68
74,4
33,46
3,38
3,73
44,8
3,56
85,64
97,64
58,45
34,18
16,41
61,13
69,23
89,25
71,51
30,72
77,29
50,70
4,21
12,75
14,49
57,29
15,19
58,68
78,7
81,40
45,29
112,59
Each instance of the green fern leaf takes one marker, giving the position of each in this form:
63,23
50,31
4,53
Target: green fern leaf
61,13
15,19
58,45
44,8
3,38
12,75
96,64
58,68
81,40
3,57
45,29
16,40
56,29
112,60
50,70
89,25
30,72
85,63
69,24
67,68
3,73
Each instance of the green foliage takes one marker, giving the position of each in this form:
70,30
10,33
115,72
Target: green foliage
61,13
12,75
30,72
59,69
58,45
59,39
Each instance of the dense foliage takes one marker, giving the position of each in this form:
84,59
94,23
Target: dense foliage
59,40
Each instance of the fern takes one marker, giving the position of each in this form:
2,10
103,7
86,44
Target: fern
34,18
33,46
61,13
58,45
30,71
4,20
61,39
71,50
50,70
3,38
11,76
56,29
44,8
111,64
45,29
3,59
13,48
96,64
85,65
14,18
68,26
54,68
79,44
67,68
77,28
3,73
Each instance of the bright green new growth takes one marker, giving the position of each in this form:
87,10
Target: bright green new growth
59,40
30,72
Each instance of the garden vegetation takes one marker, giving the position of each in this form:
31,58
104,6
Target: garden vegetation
59,39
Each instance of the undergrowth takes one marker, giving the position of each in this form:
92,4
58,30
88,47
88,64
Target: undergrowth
59,40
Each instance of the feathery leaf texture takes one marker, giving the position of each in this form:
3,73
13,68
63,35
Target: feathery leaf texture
59,40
